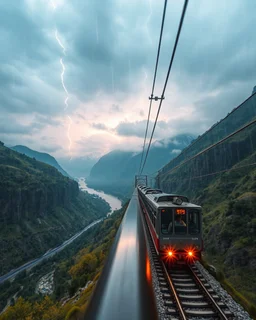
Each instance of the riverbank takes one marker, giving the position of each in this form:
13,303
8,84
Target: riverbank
123,193
115,202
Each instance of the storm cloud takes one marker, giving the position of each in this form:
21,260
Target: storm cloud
109,63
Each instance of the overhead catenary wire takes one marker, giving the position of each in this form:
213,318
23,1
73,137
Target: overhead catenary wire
202,136
209,148
166,80
154,80
221,171
218,172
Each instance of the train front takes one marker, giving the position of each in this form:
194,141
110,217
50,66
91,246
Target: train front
180,234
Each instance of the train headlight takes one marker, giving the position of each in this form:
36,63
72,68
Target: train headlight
170,253
190,253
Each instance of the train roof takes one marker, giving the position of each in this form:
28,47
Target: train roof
167,198
153,191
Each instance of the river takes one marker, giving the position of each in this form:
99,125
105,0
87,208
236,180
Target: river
114,203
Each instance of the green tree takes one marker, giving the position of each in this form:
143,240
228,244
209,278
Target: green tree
20,311
87,264
73,314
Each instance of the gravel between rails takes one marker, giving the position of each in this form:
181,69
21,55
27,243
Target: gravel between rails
157,292
234,307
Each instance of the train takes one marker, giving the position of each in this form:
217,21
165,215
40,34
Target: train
174,223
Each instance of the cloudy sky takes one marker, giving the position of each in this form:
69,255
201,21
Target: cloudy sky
108,50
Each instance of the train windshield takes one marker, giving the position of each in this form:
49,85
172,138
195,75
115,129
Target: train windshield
193,221
180,221
180,225
166,221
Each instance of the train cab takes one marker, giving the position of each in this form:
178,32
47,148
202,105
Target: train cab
175,224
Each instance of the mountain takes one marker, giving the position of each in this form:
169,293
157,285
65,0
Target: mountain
78,167
223,180
254,90
76,271
39,208
115,171
40,156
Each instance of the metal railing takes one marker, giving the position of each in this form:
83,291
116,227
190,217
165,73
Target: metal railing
124,290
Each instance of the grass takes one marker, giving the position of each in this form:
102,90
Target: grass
237,296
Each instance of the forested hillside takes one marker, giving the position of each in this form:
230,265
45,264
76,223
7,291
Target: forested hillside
39,208
237,118
223,180
40,156
75,277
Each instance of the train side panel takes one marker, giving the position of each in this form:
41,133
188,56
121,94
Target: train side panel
179,246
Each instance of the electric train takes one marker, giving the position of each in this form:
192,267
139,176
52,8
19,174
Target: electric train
174,223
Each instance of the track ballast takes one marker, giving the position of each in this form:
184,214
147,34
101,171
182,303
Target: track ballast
185,292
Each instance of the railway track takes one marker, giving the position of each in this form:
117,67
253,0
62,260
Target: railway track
185,292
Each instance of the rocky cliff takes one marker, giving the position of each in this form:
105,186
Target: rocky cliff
234,120
39,208
223,180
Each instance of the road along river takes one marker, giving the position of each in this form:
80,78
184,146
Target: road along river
114,203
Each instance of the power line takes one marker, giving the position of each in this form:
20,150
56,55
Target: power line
204,134
210,147
217,172
153,86
167,77
222,171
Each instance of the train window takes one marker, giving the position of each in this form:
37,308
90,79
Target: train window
180,225
193,221
166,221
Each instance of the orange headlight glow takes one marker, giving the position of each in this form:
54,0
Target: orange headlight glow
170,254
190,253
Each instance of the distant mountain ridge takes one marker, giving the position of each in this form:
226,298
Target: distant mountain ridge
115,171
40,156
39,208
78,167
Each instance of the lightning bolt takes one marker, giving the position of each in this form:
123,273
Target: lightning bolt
63,83
68,135
145,74
59,42
145,77
54,6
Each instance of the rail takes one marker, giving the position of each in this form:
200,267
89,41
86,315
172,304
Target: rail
208,296
124,290
176,297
